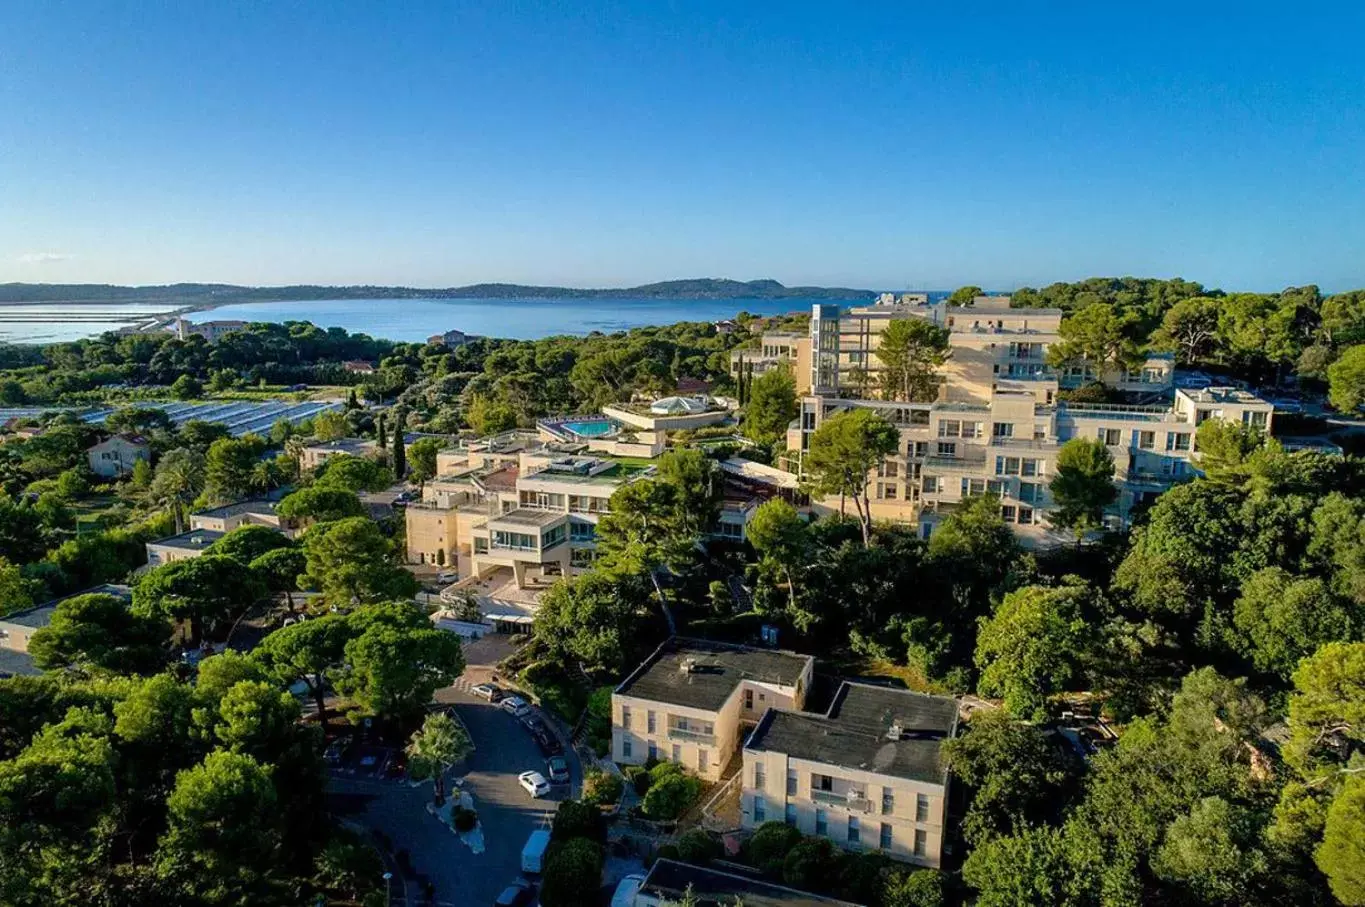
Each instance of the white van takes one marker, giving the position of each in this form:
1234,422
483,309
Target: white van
533,854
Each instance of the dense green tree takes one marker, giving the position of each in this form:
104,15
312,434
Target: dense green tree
203,592
782,540
100,631
178,480
1102,335
280,569
222,835
1341,857
1082,486
488,416
228,468
1190,329
1224,447
843,452
22,538
577,819
573,874
1337,544
769,845
811,864
914,888
422,459
320,504
187,388
395,660
1346,379
1032,867
592,620
1327,708
1034,646
1212,852
15,591
258,720
911,352
352,562
307,652
965,295
1017,776
399,460
246,543
770,405
354,474
1280,618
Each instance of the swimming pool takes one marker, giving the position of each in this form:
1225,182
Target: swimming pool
589,428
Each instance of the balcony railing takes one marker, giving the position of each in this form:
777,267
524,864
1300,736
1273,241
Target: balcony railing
831,798
682,733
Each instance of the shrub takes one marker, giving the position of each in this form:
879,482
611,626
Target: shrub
602,788
769,846
639,778
573,874
916,888
575,819
465,819
810,865
697,846
669,797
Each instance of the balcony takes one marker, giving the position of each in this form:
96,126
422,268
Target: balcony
843,801
691,736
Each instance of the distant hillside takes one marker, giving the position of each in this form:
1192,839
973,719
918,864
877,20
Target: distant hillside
219,293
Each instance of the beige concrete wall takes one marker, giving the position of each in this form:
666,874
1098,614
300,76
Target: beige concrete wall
158,555
116,457
901,817
431,536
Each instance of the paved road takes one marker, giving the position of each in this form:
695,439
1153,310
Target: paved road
506,812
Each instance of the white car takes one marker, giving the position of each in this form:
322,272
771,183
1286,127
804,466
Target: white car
515,705
534,783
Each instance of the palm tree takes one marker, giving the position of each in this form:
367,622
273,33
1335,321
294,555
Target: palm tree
179,480
440,743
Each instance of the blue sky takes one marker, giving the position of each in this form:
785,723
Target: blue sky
607,144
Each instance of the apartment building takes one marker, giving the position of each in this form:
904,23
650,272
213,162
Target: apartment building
692,701
313,455
517,502
867,774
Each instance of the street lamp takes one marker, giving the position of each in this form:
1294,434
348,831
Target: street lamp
388,892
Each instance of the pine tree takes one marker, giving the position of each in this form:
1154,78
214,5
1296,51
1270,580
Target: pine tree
383,438
351,402
400,454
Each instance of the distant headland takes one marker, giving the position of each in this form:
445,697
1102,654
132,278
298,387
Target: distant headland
201,295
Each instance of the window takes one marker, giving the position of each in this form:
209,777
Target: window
481,546
760,809
1007,513
759,776
995,487
921,842
625,748
789,815
821,822
1146,440
703,760
1025,516
932,485
853,831
791,784
971,429
625,716
921,807
1029,468
885,840
1112,437
887,491
1002,430
921,448
949,428
677,753
808,421
1254,419
888,469
653,751
947,449
1177,440
1202,415
821,782
1029,492
888,801
650,720
1007,466
749,700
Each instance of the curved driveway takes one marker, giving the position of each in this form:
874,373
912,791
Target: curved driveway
507,813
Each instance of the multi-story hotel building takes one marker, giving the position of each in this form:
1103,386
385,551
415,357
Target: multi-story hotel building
867,774
692,701
996,424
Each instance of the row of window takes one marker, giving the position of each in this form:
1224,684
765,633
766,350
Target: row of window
1029,492
825,784
853,831
1019,466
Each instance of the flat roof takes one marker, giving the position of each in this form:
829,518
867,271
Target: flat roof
529,517
16,664
265,508
759,472
718,669
193,540
1220,395
40,616
344,444
855,732
671,879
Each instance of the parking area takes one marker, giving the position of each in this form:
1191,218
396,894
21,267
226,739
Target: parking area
370,795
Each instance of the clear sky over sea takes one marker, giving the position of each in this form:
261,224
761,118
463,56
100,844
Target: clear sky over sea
606,144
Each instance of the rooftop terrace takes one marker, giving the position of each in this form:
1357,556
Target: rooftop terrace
716,669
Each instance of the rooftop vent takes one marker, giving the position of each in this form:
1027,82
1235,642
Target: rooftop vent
688,666
895,731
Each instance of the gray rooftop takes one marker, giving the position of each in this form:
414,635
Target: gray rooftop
345,445
717,670
528,517
670,880
14,664
193,540
855,732
40,616
265,508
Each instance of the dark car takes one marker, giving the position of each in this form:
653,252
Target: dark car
557,768
533,724
518,894
548,743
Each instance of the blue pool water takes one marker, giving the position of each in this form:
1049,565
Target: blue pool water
595,428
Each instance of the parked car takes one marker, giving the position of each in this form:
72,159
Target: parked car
630,886
534,783
448,576
518,894
548,743
533,723
334,752
515,705
558,768
486,691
